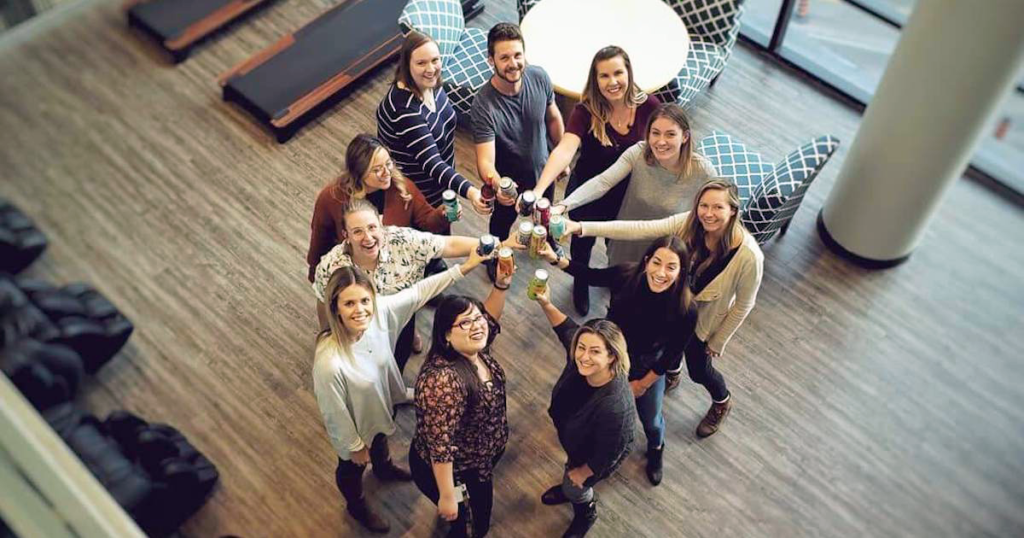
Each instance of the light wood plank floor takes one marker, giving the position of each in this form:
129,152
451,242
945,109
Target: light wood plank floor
868,403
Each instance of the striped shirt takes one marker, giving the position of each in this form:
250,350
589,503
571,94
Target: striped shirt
421,142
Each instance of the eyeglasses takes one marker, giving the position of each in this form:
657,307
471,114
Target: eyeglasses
468,323
380,169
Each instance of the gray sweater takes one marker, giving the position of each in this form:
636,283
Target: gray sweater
653,193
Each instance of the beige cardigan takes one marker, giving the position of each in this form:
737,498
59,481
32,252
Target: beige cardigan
725,302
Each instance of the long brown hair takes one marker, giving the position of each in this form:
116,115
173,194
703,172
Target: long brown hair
358,158
677,115
693,230
636,279
403,73
598,106
337,336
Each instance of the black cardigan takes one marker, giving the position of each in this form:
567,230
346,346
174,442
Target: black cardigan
601,431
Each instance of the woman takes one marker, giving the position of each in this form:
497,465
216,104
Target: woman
609,118
417,124
652,305
356,380
370,174
726,273
592,409
665,174
461,427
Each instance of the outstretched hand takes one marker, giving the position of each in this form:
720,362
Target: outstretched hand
544,297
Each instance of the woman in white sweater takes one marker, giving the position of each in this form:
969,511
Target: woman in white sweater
665,173
357,381
726,271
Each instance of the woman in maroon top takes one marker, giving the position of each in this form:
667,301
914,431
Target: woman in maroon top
461,427
610,117
371,174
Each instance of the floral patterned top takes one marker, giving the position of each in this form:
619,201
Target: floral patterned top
403,257
451,425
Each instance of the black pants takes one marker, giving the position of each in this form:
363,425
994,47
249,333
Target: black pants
403,346
349,475
701,371
604,208
504,216
481,495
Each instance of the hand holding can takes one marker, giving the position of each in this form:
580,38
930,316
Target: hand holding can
538,284
451,205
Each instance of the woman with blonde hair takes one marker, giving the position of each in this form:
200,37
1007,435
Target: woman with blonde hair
664,170
610,117
592,409
725,275
653,306
356,380
370,174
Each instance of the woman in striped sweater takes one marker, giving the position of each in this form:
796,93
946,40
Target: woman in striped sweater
417,123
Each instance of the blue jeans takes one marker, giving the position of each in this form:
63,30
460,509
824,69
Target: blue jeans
648,407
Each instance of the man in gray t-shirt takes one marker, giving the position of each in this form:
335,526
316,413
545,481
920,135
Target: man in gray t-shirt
514,115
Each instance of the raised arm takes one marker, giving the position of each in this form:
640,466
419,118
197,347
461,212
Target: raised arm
604,277
597,186
425,216
631,230
398,309
559,160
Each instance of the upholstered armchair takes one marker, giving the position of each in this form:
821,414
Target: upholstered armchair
463,50
714,26
769,194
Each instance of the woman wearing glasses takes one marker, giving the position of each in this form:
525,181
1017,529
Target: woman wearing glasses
461,427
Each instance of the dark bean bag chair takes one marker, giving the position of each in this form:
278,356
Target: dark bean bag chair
20,241
46,374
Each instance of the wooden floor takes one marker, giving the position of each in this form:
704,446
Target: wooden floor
868,403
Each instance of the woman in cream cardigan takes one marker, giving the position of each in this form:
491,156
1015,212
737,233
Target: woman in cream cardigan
725,275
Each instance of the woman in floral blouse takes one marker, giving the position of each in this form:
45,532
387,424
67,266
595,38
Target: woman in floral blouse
461,427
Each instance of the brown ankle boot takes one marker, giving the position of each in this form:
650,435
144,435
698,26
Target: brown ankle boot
361,511
713,420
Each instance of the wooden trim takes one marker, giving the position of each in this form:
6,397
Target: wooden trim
210,23
257,59
335,84
45,461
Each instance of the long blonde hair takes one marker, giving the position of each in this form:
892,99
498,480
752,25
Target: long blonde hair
358,158
692,232
337,338
596,103
614,342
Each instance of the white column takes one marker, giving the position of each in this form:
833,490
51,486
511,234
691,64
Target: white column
955,61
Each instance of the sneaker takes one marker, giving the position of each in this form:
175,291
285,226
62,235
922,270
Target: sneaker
672,381
554,495
654,463
715,417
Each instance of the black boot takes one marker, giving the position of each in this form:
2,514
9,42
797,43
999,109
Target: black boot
383,468
554,495
584,516
581,297
351,486
362,513
654,464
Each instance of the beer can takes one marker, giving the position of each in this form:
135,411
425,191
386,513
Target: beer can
537,239
487,244
556,227
538,284
526,202
487,195
525,233
451,205
508,188
542,212
506,262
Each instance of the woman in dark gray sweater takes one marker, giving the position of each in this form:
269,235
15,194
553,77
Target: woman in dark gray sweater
592,408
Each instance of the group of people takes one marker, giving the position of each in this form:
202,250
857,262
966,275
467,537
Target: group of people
380,233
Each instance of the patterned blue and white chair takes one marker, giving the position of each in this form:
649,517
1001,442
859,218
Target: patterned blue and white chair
769,194
714,26
524,6
463,50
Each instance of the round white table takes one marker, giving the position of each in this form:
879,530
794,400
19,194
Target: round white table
563,35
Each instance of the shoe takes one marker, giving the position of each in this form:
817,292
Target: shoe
672,380
654,457
417,343
389,472
362,513
554,495
584,516
715,417
581,297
